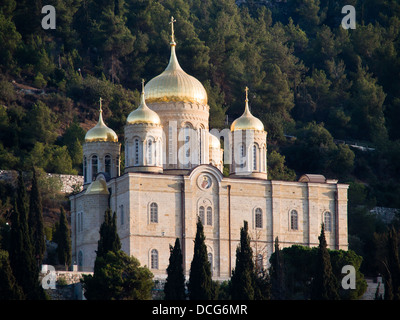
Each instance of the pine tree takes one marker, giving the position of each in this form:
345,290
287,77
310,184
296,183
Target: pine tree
35,220
243,276
63,240
324,285
22,260
174,288
200,282
109,239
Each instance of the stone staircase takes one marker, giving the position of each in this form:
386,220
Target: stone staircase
372,285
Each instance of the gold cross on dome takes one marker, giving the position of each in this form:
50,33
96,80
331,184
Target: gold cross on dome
142,85
246,90
172,29
100,100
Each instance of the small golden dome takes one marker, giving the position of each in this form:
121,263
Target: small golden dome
213,141
143,114
98,186
174,84
101,132
247,121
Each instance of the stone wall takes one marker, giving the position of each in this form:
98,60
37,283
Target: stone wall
67,284
68,183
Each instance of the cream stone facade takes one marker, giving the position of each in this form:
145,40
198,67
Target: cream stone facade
173,175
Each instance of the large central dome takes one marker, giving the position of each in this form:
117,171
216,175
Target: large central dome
174,84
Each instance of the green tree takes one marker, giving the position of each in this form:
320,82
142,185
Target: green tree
63,240
35,220
9,288
22,260
368,119
277,273
324,285
200,282
9,37
277,169
109,239
393,262
118,276
243,274
174,287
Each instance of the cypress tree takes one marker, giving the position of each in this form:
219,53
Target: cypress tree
394,263
35,220
22,260
109,239
243,275
277,273
324,284
200,282
174,288
64,240
9,288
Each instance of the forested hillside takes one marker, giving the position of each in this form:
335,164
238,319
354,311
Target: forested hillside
317,87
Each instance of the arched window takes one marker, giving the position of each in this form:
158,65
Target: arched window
209,216
85,170
154,259
293,220
107,164
254,157
188,141
94,166
136,148
150,152
258,218
201,214
153,212
242,155
328,221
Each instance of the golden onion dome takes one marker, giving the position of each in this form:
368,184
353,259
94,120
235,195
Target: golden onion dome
143,114
247,121
174,84
101,132
98,186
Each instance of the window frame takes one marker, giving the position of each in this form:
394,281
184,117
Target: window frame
154,259
153,212
294,220
258,218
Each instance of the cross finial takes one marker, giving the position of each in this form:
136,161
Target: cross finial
142,85
100,100
172,29
247,90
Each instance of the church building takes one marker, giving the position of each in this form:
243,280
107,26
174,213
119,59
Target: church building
173,174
